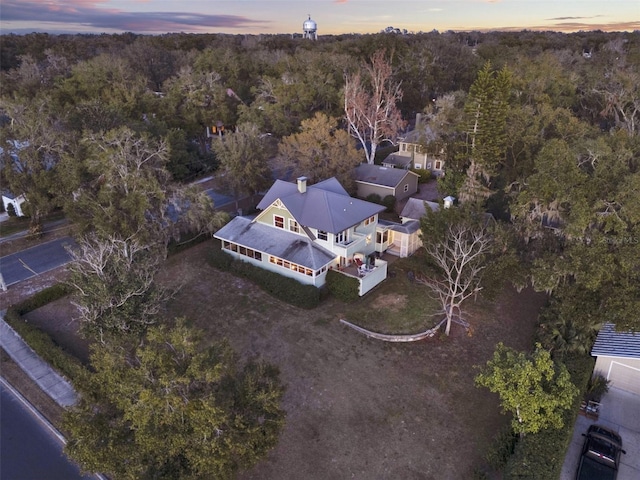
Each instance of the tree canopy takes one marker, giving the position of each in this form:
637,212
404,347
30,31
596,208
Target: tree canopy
531,387
175,407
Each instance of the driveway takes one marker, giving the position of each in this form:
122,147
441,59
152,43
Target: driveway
620,411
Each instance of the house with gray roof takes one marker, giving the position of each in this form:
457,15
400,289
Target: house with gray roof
384,181
403,239
618,357
420,149
305,230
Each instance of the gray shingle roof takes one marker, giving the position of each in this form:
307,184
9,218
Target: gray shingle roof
400,161
274,241
415,208
424,133
387,177
324,206
610,343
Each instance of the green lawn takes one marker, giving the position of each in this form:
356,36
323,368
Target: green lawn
399,305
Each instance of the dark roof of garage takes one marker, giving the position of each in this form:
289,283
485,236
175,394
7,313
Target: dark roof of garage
610,343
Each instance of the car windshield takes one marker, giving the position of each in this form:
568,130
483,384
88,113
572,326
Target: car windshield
602,449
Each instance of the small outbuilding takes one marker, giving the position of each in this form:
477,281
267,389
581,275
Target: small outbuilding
383,181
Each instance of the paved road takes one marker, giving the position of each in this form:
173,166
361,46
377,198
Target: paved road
35,260
30,449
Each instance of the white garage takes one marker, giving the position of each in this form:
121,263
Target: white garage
618,358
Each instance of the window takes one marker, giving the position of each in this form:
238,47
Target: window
429,166
438,164
278,221
418,165
293,225
290,266
342,236
247,252
382,237
406,187
322,235
404,147
369,220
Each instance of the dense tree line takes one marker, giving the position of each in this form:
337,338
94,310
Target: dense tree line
541,129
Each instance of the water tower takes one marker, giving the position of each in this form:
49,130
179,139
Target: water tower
310,29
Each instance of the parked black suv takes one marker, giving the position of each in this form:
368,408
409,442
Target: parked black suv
600,454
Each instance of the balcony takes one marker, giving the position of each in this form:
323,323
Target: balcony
368,277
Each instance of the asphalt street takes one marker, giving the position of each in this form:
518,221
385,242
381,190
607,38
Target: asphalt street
35,260
29,448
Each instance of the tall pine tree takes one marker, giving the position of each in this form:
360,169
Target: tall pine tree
485,111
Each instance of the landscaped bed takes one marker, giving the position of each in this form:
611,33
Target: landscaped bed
356,407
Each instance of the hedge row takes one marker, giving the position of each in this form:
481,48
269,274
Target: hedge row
541,455
343,287
283,288
39,341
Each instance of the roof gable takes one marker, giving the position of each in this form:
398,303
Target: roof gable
415,208
324,206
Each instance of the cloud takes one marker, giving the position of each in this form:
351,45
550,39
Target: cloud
568,27
572,18
86,14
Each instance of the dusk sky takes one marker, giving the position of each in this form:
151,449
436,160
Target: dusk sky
332,16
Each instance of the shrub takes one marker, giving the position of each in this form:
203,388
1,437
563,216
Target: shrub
390,202
501,449
39,341
374,198
425,175
343,287
11,210
283,288
597,387
48,295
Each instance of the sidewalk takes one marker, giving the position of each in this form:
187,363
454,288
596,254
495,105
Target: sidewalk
50,381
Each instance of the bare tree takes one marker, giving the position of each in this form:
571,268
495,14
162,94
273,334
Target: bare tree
370,104
114,282
460,257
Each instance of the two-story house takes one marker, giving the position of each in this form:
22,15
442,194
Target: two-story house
419,149
304,230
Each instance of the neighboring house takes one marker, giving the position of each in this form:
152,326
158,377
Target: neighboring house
305,230
418,149
618,358
383,181
16,201
403,239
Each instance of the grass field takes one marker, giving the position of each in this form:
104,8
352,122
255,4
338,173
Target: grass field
356,408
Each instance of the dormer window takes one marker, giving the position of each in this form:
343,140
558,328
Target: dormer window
293,225
278,221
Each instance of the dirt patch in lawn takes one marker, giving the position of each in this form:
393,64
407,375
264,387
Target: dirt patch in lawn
393,302
356,407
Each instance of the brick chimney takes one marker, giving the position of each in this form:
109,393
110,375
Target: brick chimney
302,184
